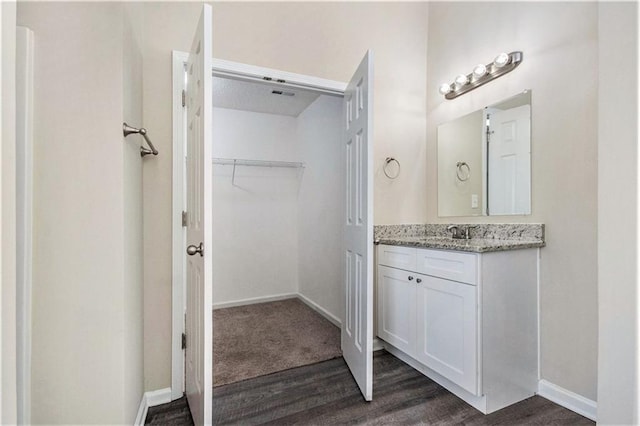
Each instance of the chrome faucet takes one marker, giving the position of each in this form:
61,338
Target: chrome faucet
455,231
460,234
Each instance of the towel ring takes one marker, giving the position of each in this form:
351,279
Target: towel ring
387,161
462,174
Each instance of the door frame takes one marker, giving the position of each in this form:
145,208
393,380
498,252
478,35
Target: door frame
221,68
24,217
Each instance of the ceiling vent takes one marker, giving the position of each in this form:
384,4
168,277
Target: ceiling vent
280,92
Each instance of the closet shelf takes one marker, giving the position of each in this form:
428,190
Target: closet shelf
256,163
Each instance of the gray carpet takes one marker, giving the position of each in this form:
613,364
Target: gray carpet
255,340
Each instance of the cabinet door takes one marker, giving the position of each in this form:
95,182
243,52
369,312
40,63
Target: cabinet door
397,308
446,338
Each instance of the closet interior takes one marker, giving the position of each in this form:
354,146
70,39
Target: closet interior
278,208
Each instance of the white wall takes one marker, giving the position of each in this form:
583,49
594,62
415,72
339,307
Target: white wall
561,67
87,322
460,140
8,401
321,204
132,295
329,39
24,177
167,26
323,39
279,230
618,357
255,252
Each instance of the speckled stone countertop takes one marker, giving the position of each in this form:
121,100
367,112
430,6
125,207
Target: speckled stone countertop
485,237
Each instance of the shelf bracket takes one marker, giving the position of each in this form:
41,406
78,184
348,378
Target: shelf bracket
233,176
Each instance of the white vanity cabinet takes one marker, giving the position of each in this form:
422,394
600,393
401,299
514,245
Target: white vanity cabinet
446,325
397,308
466,320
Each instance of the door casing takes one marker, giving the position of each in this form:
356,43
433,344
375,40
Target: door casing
221,68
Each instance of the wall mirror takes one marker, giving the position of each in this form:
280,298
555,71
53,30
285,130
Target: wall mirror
484,161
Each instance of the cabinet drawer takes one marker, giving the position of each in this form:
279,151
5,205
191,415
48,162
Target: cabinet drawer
397,257
456,266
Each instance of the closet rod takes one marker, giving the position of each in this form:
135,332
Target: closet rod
256,163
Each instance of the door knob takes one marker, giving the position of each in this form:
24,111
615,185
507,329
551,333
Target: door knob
193,249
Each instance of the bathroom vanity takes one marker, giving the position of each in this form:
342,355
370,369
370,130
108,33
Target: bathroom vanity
463,312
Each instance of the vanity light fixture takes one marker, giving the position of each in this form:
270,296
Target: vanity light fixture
501,60
481,74
445,88
479,70
461,80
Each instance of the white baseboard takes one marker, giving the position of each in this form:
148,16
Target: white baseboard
142,412
566,398
263,299
319,309
151,399
378,345
254,300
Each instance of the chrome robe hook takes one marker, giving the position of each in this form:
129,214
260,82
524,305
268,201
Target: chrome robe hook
127,130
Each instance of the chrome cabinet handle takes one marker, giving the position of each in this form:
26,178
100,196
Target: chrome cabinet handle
419,280
193,249
410,278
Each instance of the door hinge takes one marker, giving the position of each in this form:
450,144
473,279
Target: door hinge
184,341
184,218
184,99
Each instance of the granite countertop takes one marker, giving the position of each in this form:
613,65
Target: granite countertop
476,245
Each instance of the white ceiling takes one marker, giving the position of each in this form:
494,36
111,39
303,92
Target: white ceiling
257,97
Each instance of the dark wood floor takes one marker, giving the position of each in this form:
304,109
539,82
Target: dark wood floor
174,413
326,394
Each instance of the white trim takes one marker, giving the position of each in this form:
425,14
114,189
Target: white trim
232,70
319,309
485,203
178,234
141,417
284,296
539,338
239,71
566,398
158,397
151,399
254,300
378,344
24,217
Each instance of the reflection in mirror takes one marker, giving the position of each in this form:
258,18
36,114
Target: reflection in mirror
484,161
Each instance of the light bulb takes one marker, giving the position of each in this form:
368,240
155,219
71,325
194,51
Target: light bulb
501,60
479,70
461,80
444,88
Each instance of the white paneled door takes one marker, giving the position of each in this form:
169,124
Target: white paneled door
357,328
198,326
510,161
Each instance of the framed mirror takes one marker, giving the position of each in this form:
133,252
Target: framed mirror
484,161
